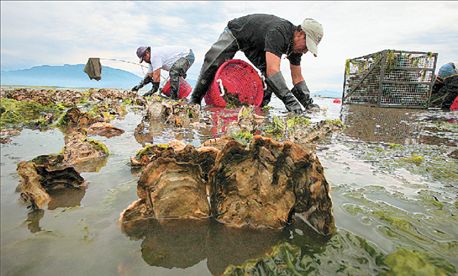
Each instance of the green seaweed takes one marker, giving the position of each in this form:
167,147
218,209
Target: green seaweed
297,121
266,108
394,146
427,197
98,145
276,127
335,122
412,262
243,137
413,159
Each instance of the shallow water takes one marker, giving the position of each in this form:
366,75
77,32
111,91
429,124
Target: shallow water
382,201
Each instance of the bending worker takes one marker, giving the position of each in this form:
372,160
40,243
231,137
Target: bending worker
264,39
175,59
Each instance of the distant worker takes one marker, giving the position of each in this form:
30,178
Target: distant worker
264,39
175,59
445,88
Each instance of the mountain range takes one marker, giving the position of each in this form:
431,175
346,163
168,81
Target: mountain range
71,76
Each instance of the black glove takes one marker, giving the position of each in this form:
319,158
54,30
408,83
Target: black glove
142,83
278,85
302,94
153,90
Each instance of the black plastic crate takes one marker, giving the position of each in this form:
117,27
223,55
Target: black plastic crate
390,78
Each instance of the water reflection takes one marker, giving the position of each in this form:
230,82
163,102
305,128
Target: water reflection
94,165
374,124
66,198
399,126
184,243
33,220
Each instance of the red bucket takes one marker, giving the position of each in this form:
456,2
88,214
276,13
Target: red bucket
185,89
454,105
239,81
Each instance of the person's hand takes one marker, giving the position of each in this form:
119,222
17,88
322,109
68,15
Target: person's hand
136,88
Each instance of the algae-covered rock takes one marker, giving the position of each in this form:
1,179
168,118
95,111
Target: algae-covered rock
79,149
262,186
74,120
203,156
32,114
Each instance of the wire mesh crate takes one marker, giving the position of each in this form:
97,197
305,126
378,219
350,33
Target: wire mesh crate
390,78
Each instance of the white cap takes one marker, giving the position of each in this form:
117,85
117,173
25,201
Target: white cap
313,34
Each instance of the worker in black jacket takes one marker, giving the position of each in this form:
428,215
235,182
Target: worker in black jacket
264,39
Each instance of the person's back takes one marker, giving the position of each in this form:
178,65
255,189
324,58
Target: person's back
258,33
164,57
251,30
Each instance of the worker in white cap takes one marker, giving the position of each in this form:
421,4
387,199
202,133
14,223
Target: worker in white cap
264,39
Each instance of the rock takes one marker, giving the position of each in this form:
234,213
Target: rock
174,190
75,120
263,185
177,113
305,135
104,129
204,157
80,149
41,176
32,192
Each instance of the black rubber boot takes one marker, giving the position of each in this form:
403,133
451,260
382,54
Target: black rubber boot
202,85
153,90
278,85
302,94
267,96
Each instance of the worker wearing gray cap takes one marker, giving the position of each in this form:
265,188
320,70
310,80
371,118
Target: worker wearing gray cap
175,59
264,39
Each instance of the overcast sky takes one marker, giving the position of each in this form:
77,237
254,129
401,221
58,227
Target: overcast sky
56,33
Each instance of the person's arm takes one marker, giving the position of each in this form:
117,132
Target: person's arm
272,64
296,74
156,75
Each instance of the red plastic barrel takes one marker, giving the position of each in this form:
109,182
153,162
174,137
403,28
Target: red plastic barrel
185,89
239,80
454,106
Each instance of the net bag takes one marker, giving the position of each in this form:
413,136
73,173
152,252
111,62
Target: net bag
236,82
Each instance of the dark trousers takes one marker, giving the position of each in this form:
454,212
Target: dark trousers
179,69
222,50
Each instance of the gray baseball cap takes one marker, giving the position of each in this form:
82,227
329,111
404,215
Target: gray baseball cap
313,34
141,52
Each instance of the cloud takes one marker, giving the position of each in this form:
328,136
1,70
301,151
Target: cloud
36,33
